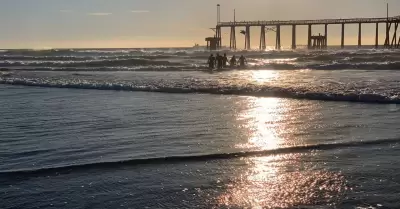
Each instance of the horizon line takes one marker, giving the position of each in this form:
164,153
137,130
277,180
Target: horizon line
271,46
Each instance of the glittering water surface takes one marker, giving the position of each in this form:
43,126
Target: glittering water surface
111,137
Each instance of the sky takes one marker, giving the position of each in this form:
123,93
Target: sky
170,23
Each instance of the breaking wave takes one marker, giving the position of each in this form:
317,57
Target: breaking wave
190,158
151,65
88,63
262,91
178,59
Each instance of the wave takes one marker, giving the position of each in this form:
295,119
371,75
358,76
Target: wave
45,58
82,58
150,65
38,52
189,51
5,74
330,55
261,91
88,63
361,66
107,69
100,52
191,158
186,59
349,58
151,62
279,60
329,66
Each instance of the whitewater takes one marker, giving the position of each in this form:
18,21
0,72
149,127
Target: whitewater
155,128
351,75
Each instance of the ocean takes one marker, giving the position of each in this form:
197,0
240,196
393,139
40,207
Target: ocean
154,128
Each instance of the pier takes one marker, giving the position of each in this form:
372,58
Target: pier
392,39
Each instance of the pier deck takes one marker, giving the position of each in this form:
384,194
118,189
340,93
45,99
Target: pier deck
308,22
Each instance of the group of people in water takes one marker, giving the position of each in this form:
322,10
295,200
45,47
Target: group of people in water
221,61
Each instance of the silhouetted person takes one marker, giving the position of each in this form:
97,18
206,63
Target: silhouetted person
242,61
220,60
224,61
211,61
233,61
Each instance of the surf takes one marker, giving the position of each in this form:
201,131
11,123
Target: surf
46,171
247,90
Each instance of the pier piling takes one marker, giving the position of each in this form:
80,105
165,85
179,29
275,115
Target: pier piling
247,38
326,36
342,39
398,43
263,44
218,36
278,37
394,39
377,36
293,36
232,44
388,26
359,35
309,36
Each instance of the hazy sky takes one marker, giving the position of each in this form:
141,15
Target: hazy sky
167,23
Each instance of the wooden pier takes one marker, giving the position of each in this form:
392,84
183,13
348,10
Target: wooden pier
392,39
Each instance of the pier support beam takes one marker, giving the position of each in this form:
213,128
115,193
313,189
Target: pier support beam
219,37
232,44
359,35
342,42
394,39
377,36
278,37
388,26
309,36
293,37
263,45
387,35
247,38
398,43
326,37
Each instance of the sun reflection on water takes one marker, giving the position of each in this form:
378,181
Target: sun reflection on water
277,181
262,123
262,76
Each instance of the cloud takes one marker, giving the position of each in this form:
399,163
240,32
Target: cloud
140,11
66,11
99,14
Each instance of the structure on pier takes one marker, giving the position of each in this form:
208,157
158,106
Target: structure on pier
213,43
392,39
319,42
